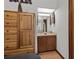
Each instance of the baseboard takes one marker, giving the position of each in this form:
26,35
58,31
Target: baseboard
59,54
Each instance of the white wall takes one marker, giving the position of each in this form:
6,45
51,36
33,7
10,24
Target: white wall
31,7
62,28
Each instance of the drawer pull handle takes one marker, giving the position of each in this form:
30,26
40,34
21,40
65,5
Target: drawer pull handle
28,52
7,31
7,15
7,47
7,38
7,23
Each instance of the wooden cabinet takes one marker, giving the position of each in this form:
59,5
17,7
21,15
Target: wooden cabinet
42,44
10,45
10,38
46,43
26,29
18,32
26,21
26,39
10,30
51,42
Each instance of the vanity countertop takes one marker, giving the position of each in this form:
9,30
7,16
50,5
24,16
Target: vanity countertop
45,34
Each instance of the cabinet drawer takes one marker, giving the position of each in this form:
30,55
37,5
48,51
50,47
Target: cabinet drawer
10,45
10,30
10,38
10,23
10,15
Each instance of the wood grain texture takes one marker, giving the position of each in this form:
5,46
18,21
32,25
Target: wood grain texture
19,51
19,32
26,21
10,30
10,45
10,38
71,29
42,44
26,29
46,43
51,43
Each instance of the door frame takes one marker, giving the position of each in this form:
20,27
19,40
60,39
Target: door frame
71,29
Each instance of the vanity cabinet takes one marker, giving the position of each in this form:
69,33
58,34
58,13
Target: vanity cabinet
51,42
42,44
46,43
19,32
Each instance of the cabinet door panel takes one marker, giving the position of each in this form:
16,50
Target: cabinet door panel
25,39
42,44
26,21
26,30
31,41
51,43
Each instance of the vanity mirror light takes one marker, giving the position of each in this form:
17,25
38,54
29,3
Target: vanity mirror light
45,20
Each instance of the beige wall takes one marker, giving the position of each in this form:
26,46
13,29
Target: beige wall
62,20
31,7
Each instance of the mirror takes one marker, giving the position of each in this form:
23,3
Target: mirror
45,20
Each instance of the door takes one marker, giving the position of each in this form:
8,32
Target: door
26,22
42,44
26,30
51,43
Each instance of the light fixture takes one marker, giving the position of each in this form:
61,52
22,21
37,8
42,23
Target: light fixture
45,10
43,14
